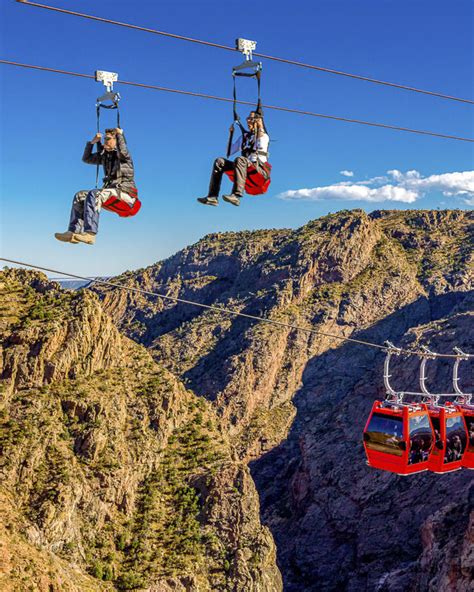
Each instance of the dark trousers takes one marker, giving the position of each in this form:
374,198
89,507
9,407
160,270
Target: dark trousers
240,166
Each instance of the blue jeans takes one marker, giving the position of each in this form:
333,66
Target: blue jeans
85,212
86,207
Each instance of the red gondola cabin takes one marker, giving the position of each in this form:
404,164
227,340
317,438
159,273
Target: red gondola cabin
450,438
398,437
468,412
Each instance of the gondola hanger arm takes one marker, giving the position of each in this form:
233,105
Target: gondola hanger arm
463,398
426,354
390,391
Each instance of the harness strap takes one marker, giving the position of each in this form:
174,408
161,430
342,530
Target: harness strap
251,150
97,109
236,120
115,105
100,106
258,76
229,141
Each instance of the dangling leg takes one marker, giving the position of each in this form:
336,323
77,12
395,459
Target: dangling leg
92,205
240,176
221,165
76,220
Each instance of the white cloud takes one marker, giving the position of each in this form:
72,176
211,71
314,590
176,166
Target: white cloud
353,193
346,173
399,176
396,186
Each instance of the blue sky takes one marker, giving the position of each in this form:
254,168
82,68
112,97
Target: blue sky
46,118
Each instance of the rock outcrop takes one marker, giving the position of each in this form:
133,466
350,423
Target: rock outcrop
114,476
340,525
128,469
294,403
339,274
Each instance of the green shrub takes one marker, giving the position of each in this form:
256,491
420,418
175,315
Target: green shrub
121,542
108,573
130,581
97,570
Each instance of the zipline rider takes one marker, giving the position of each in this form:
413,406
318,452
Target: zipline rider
118,194
252,163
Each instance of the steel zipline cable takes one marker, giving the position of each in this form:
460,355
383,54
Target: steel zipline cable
235,313
260,55
227,100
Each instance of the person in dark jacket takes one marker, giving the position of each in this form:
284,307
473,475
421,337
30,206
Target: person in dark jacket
253,145
119,183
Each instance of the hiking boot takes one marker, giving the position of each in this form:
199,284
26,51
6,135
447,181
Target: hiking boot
85,237
232,199
65,237
210,200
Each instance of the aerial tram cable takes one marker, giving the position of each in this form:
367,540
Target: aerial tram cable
260,55
399,437
387,347
227,100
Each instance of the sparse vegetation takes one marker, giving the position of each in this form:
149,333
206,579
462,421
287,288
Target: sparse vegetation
109,460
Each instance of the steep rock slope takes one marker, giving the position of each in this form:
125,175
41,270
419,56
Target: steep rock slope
298,402
337,274
341,526
114,476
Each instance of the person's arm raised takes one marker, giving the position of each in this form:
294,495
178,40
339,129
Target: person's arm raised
89,157
260,129
122,144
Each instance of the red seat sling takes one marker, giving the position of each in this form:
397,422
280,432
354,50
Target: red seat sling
256,183
122,208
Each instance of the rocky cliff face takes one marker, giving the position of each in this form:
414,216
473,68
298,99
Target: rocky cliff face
340,525
339,274
114,476
295,403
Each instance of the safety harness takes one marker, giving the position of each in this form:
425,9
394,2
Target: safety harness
113,204
258,175
114,98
